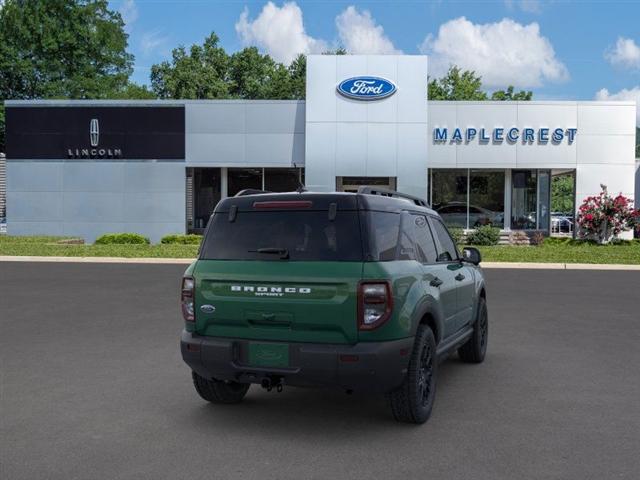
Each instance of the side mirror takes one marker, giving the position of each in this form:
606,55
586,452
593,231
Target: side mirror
471,255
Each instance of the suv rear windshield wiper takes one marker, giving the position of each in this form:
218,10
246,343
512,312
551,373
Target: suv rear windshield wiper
283,252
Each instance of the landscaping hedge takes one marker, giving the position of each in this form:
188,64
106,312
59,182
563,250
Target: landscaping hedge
181,239
122,239
485,235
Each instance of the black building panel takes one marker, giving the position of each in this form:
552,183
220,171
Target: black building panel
66,132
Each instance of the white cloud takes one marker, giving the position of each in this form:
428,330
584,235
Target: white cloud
151,41
626,53
528,6
504,53
360,34
632,94
129,12
278,31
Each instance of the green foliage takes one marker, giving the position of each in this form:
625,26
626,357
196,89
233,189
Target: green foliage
207,72
510,95
61,49
457,234
181,239
484,235
562,193
458,84
122,239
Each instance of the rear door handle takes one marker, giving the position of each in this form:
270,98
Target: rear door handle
459,277
436,282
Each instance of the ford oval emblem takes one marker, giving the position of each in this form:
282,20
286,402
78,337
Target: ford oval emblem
207,308
366,88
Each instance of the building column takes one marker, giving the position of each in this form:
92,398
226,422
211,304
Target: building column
507,199
223,183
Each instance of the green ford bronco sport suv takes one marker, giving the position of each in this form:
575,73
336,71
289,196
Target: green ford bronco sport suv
361,291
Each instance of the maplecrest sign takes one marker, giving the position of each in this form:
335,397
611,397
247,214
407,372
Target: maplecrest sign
510,135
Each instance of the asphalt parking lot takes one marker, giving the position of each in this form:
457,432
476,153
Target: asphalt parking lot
93,386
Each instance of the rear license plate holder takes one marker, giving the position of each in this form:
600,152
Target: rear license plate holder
269,355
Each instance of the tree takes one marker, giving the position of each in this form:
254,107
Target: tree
457,85
61,49
298,74
510,95
199,74
562,193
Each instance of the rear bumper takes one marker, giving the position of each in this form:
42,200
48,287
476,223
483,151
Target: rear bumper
369,366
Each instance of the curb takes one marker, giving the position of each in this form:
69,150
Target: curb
559,266
186,261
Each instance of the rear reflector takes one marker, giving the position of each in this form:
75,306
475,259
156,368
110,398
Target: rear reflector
284,204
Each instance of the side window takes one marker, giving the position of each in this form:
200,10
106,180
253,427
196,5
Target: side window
384,235
407,244
447,249
426,248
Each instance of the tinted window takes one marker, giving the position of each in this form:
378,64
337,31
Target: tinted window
305,235
447,250
407,239
426,248
383,235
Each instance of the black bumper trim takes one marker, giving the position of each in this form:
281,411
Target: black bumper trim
380,366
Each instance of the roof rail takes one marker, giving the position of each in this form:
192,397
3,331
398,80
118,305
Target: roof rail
384,192
250,191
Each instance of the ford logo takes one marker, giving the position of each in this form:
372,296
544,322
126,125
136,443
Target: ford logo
366,88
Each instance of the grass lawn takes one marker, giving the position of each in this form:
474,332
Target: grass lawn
554,252
49,247
627,253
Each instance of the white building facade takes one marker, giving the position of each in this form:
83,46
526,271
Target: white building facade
83,168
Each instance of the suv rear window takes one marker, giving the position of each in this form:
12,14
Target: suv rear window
304,235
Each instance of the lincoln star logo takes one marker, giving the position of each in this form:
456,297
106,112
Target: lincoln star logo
94,132
94,141
269,291
366,88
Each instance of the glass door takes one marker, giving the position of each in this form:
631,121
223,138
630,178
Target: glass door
530,199
524,193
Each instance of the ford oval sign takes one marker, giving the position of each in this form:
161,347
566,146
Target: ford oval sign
366,88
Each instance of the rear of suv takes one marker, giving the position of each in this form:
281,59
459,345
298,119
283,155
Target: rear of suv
361,291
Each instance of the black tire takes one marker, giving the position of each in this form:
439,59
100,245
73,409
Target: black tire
476,347
412,402
217,391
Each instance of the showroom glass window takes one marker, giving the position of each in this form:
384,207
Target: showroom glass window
243,178
282,179
468,198
524,193
448,194
486,198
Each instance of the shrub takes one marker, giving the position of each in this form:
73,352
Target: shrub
537,238
518,238
457,234
603,217
181,239
122,239
484,235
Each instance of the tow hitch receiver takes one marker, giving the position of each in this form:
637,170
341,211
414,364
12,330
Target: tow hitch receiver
269,383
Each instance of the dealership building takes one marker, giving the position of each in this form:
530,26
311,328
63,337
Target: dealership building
84,168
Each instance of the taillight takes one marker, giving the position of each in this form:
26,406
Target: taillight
375,303
186,299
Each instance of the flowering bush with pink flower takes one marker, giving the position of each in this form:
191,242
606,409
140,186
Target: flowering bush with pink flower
604,217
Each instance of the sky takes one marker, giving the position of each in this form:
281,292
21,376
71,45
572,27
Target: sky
561,50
